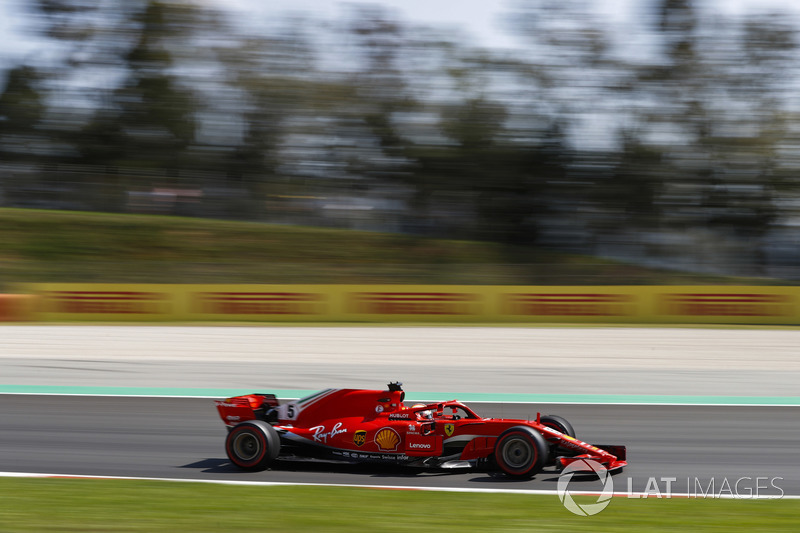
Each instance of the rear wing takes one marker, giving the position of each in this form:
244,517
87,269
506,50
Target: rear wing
248,407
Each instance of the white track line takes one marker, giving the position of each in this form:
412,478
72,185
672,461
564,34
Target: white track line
542,492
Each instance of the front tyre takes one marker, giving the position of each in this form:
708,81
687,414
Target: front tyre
521,452
559,423
252,445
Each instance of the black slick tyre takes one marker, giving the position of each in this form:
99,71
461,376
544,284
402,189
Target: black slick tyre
521,452
559,423
252,445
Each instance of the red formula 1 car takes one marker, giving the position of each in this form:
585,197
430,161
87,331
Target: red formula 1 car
357,425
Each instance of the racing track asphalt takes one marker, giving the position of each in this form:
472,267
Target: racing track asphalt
183,438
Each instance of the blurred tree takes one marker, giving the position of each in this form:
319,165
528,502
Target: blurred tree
491,144
268,82
724,85
74,24
570,113
436,132
114,97
503,180
631,187
149,119
141,131
700,126
21,114
91,39
367,102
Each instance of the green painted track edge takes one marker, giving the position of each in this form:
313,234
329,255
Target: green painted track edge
620,399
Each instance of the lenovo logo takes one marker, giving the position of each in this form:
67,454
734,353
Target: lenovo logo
725,304
414,303
106,302
587,304
259,303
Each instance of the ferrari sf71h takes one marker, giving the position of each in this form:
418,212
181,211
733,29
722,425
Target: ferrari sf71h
357,425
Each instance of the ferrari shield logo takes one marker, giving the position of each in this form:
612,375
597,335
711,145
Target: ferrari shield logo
448,429
359,437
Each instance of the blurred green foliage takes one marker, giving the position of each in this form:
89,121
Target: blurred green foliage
63,246
686,146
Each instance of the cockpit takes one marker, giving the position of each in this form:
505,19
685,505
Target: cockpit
442,411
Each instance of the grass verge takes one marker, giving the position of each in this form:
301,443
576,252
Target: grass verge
155,506
67,246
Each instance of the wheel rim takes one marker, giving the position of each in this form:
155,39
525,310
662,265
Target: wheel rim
246,446
518,453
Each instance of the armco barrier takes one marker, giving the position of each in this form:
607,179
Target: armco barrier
16,307
417,303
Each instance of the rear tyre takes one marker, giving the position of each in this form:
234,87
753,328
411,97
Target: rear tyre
521,452
253,445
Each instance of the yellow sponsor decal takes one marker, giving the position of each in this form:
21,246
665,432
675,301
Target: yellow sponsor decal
250,302
387,440
726,305
399,303
415,303
360,437
449,429
721,304
585,304
106,301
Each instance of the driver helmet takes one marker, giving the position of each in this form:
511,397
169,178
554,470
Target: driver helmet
427,414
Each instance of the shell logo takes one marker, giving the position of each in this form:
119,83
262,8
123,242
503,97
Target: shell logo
387,439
